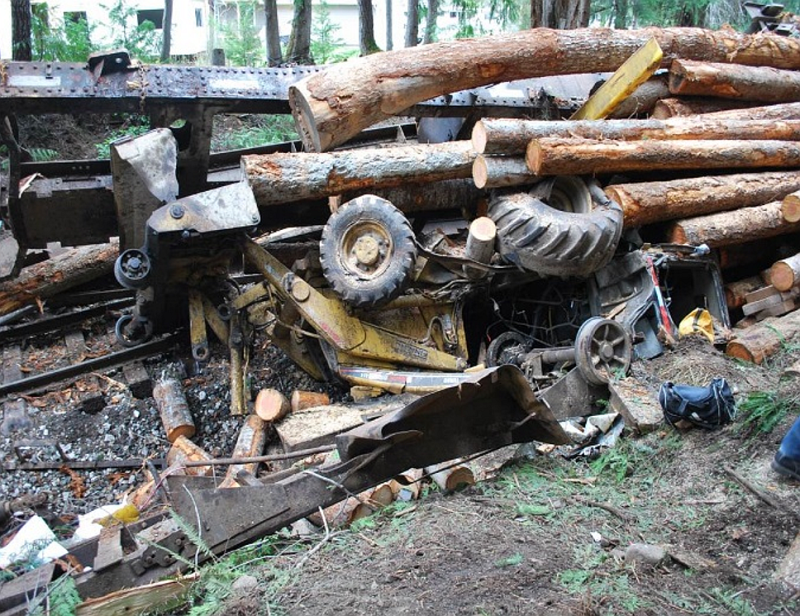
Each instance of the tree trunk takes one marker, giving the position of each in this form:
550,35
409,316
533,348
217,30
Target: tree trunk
736,227
433,196
334,105
648,202
283,178
511,136
166,31
790,208
21,30
412,23
736,292
785,273
51,277
298,50
366,28
501,171
673,107
430,22
587,156
389,26
561,14
643,99
785,111
758,342
749,83
173,409
274,54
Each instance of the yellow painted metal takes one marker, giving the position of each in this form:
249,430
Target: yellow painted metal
197,321
634,72
330,319
215,322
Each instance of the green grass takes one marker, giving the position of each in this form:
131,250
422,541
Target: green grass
761,411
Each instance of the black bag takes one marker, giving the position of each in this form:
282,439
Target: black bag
709,407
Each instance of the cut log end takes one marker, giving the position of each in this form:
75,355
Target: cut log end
271,405
790,208
301,111
479,138
480,170
737,350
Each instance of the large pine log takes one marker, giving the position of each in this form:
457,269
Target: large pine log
677,107
284,178
501,171
784,111
749,83
51,277
588,156
648,202
433,196
736,227
334,105
785,273
511,136
758,342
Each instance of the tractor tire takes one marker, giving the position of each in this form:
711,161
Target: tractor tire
367,252
539,238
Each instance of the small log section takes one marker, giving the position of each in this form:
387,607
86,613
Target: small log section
677,107
751,83
736,292
336,104
510,136
452,475
285,178
648,202
790,208
499,172
51,277
271,405
587,156
736,227
173,408
785,273
302,400
251,442
758,342
184,450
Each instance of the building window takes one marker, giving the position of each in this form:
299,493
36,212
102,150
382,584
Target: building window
198,18
156,16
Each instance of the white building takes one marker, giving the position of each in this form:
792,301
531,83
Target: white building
191,20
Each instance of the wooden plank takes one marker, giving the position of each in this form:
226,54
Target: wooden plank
317,426
137,379
761,304
12,361
632,399
132,601
759,294
776,310
634,72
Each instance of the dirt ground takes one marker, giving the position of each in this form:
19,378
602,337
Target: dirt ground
547,535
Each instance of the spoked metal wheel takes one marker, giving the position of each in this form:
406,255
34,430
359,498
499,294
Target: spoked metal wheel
603,350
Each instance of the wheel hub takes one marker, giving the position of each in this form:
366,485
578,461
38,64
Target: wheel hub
366,251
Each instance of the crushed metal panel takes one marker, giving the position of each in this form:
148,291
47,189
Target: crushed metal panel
143,169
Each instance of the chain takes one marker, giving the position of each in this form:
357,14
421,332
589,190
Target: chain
141,85
3,74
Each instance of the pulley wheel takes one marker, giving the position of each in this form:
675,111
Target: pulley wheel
603,350
132,269
506,348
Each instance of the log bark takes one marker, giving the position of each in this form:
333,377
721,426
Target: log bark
452,475
790,207
758,342
334,105
183,450
785,111
302,400
435,196
511,136
65,271
173,408
249,444
643,99
736,292
750,83
499,172
648,202
271,405
587,156
283,178
354,508
675,107
736,227
751,253
785,273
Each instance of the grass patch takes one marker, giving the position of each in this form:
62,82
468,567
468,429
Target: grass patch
761,411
